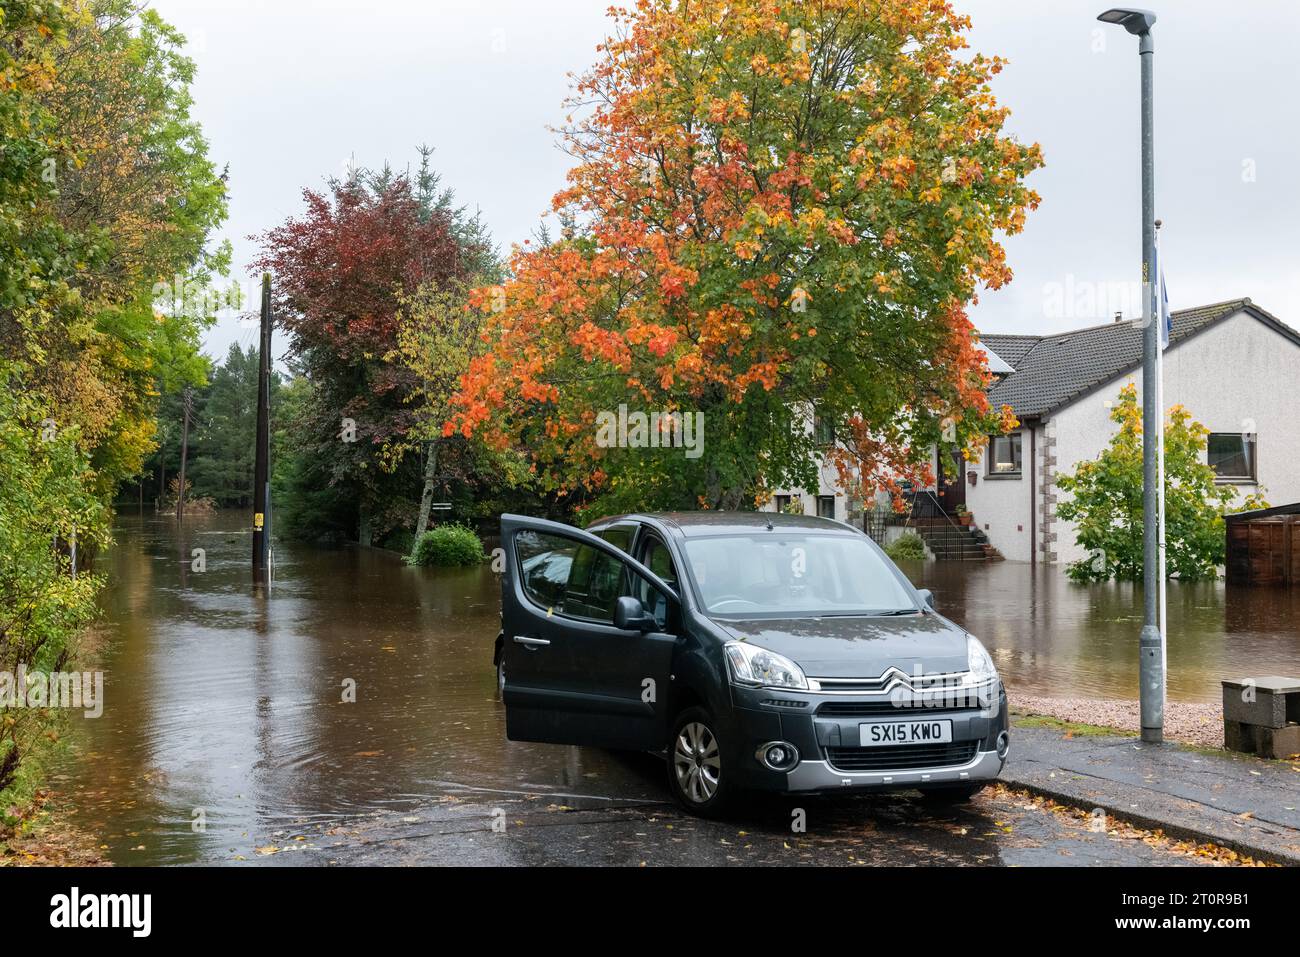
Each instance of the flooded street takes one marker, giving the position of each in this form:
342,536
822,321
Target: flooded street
1052,637
229,708
220,700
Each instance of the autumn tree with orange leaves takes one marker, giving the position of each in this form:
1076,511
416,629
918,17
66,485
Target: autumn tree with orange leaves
776,206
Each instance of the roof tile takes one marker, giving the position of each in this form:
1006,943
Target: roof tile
1053,370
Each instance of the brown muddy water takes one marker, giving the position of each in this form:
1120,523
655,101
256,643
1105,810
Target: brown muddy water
227,707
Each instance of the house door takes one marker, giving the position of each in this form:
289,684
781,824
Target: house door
950,477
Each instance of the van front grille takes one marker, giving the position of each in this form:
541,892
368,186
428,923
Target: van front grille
868,709
903,757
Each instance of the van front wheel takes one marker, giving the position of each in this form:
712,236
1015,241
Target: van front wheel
696,776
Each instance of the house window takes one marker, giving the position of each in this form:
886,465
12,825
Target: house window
823,431
1004,454
826,506
789,504
1232,456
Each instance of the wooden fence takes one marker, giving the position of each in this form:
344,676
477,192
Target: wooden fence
1264,551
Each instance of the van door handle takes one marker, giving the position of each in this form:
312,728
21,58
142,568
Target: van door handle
531,642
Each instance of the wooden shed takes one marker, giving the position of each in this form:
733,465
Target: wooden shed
1264,546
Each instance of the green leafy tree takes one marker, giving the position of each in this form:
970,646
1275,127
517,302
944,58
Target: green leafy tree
133,194
223,446
307,505
105,187
47,499
437,336
1106,501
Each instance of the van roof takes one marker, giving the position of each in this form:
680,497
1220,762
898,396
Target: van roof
707,522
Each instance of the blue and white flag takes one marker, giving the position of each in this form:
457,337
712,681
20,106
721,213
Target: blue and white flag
1166,320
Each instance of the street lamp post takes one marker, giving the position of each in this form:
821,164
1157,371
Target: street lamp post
1151,673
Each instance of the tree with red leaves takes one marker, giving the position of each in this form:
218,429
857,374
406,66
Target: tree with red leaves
341,271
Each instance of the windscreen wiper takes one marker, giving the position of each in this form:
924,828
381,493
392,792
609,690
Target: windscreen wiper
883,613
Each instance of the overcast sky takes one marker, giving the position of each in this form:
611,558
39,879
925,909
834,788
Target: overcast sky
289,90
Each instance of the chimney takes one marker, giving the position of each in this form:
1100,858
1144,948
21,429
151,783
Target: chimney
1119,315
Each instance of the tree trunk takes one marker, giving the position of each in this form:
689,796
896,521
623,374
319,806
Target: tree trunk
426,497
162,477
731,499
363,528
712,487
185,448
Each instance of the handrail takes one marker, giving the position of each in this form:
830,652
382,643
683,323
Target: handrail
950,535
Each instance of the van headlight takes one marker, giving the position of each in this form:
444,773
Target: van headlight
979,666
758,667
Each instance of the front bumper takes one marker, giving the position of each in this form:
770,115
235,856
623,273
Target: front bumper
764,716
816,775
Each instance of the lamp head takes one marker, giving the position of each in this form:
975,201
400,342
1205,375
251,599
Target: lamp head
1135,21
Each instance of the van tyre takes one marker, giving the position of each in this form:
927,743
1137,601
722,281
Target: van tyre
696,775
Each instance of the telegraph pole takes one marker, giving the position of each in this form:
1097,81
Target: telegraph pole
261,468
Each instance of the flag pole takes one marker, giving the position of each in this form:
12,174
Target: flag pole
1164,320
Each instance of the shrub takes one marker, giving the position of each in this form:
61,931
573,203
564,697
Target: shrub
907,547
194,505
1105,501
448,545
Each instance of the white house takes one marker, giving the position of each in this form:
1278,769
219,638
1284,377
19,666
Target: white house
828,500
1233,365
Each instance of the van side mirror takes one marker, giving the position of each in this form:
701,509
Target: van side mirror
629,615
927,596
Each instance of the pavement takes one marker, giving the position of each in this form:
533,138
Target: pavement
1246,804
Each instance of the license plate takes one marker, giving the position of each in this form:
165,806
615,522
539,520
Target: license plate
879,734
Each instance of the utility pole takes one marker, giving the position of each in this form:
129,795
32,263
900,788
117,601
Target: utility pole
261,468
1151,656
188,402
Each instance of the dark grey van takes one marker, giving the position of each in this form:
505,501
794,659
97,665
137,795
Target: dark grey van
756,650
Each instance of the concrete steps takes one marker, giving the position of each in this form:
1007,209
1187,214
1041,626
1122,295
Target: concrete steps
949,542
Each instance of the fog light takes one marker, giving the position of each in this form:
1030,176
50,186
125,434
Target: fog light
1004,745
778,755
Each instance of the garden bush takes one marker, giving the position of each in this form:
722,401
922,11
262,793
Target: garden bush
448,545
907,547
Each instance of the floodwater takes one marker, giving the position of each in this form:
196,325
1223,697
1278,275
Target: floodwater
1050,636
227,720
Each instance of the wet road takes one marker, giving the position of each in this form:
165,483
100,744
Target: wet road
354,706
472,828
